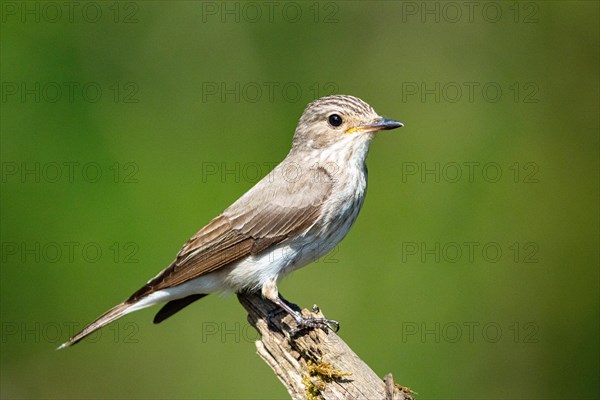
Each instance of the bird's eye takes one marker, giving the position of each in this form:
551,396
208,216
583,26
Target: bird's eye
335,120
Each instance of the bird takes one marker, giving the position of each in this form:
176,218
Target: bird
295,214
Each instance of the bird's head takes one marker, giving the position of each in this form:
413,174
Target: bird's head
334,119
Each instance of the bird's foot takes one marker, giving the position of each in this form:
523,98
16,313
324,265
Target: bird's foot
307,322
314,322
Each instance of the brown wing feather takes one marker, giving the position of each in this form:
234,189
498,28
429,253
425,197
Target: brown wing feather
269,213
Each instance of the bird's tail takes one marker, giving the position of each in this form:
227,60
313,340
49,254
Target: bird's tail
114,313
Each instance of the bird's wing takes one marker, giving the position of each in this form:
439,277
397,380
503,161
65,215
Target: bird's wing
278,207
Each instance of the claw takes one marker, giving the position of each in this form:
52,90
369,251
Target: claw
313,323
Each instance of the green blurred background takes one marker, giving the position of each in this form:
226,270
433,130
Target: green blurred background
181,106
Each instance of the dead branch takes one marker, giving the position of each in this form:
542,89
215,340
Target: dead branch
314,364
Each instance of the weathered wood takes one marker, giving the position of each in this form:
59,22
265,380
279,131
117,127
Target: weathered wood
314,364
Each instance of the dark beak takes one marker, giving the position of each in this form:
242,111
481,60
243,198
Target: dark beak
384,124
379,124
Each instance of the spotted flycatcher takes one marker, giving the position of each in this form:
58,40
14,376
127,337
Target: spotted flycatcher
297,213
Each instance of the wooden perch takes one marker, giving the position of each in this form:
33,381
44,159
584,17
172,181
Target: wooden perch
314,364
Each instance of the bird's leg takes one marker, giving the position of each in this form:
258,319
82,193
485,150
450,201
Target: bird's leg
269,290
